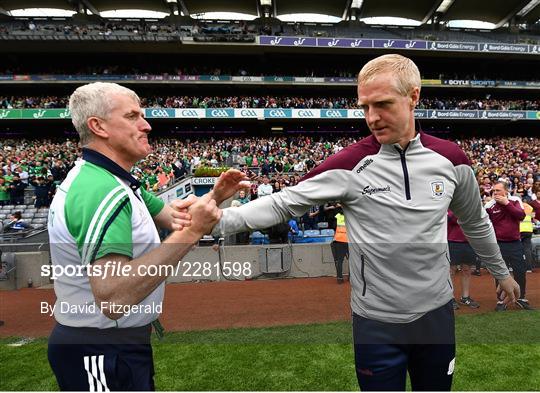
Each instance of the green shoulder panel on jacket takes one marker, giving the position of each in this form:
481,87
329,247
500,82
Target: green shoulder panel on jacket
98,214
153,203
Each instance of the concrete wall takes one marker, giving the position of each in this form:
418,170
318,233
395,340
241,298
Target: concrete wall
202,263
308,260
28,265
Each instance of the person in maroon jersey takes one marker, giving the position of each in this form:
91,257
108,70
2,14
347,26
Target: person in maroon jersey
535,204
461,253
506,212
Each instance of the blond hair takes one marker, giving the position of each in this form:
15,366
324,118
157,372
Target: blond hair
406,73
94,100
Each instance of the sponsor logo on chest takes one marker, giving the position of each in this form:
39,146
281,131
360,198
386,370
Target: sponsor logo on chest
369,190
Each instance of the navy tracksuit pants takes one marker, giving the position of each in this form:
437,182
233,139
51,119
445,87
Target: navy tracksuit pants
514,256
384,352
102,360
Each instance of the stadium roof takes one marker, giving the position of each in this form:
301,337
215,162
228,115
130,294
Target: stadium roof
497,12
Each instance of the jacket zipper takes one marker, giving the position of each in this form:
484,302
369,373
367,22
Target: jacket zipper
363,275
448,281
405,172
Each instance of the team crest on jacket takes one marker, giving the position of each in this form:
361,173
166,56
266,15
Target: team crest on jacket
437,188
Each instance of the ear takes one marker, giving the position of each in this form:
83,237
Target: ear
414,97
95,125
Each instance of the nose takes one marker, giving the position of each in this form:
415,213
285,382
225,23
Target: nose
371,115
145,126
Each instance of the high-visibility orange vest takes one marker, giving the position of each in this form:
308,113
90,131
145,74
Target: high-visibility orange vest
341,231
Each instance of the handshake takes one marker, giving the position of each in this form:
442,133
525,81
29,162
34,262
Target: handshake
198,216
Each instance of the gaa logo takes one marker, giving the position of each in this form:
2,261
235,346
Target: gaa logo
248,113
305,113
188,113
332,113
159,113
277,113
219,113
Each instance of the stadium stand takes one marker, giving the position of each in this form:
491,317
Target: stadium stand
454,102
180,148
513,159
241,31
181,62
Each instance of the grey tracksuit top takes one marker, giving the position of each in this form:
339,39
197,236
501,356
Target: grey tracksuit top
395,202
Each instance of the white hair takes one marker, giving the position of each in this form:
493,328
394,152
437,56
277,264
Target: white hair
94,99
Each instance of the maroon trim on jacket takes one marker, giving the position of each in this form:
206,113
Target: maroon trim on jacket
447,149
455,234
506,219
348,157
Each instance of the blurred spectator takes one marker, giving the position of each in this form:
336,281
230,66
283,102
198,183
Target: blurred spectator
265,188
16,191
340,245
42,192
311,218
506,212
16,223
526,229
4,192
242,197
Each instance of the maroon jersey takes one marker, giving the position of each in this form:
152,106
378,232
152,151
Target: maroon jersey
455,234
506,218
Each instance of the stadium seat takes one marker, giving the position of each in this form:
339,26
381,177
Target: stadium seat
39,221
327,232
312,233
259,238
322,225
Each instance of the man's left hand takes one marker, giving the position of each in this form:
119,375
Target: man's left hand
508,290
228,184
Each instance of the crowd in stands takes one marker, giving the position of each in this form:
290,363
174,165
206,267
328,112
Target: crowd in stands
513,160
242,67
140,27
478,104
487,103
272,163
